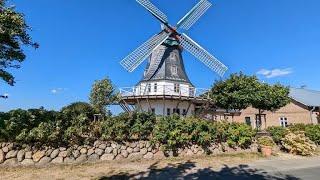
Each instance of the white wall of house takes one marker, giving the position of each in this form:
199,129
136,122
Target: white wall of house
164,88
161,107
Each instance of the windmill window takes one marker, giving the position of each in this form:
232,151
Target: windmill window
168,111
149,87
176,111
172,56
174,70
155,87
184,112
176,88
283,122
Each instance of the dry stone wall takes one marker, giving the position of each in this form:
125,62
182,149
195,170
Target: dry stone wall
12,154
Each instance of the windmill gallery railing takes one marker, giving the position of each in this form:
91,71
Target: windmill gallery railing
164,90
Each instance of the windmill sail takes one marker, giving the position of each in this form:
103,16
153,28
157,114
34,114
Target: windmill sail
203,55
133,60
154,10
194,14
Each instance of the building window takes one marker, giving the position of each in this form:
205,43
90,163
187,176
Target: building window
172,56
174,70
153,110
168,111
176,88
283,122
191,91
184,112
149,87
248,121
176,111
155,87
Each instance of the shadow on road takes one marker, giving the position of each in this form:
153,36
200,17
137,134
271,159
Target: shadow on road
188,170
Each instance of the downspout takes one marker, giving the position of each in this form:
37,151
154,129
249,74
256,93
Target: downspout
311,113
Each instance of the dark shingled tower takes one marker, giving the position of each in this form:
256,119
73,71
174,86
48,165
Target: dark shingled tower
166,63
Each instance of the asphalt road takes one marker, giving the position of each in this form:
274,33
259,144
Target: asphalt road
304,168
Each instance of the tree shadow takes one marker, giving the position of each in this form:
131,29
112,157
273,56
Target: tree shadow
188,170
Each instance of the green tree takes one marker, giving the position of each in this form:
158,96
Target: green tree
234,93
13,35
270,98
240,91
103,94
76,120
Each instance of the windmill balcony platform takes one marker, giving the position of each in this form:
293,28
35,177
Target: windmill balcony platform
164,92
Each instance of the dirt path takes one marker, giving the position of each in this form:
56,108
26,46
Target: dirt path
173,167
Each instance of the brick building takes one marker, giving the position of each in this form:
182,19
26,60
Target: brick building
304,108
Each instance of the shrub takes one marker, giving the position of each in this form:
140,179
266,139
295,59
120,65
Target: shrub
123,127
141,125
200,132
313,133
174,133
239,134
266,141
74,122
116,128
298,143
171,132
297,127
277,133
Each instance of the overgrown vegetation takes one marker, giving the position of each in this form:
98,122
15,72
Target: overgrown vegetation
311,131
298,139
74,124
298,143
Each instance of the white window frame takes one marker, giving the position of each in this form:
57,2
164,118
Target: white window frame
155,87
174,70
149,88
176,88
283,121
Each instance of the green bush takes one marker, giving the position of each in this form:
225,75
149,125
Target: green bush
171,132
141,125
297,127
174,132
74,124
126,127
200,132
239,134
313,133
277,133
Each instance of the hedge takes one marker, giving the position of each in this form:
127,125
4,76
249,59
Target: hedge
74,125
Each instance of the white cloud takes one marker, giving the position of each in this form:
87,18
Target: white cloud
6,94
275,72
58,90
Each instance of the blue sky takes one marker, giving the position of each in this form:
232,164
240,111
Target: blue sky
81,41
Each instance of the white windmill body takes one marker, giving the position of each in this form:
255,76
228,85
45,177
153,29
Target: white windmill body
165,87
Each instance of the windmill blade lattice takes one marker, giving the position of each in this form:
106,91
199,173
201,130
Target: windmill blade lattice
203,55
154,10
194,14
133,60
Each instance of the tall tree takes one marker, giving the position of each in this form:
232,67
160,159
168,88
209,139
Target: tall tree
234,93
240,91
13,36
270,98
103,94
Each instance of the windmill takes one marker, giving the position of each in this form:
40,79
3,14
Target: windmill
165,87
